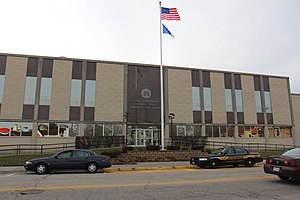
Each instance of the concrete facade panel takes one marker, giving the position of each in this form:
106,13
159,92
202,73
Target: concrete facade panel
249,99
280,101
14,87
180,95
109,92
218,97
61,90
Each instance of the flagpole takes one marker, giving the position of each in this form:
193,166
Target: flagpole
161,87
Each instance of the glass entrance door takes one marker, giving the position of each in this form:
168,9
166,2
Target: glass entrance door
143,137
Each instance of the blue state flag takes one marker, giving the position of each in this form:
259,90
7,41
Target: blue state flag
165,30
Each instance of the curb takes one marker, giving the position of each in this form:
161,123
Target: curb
115,169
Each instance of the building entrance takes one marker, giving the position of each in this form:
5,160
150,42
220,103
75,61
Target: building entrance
143,136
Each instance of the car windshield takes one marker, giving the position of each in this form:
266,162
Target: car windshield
292,153
217,151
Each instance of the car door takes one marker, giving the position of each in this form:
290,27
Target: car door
62,160
79,159
231,156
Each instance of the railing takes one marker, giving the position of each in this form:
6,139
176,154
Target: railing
34,148
249,146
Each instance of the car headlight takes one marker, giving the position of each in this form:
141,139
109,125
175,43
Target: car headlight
203,159
28,163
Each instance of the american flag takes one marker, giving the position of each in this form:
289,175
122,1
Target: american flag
169,14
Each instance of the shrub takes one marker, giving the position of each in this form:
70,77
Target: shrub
152,147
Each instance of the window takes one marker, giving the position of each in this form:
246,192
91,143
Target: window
30,88
268,102
196,98
228,97
239,150
80,154
239,101
2,78
58,129
90,93
45,95
207,99
258,101
75,92
280,132
65,154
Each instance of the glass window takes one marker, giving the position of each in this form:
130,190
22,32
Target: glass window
65,154
117,130
239,101
223,131
99,130
230,131
5,128
268,102
208,131
21,129
196,98
30,88
45,96
241,131
107,130
181,130
228,97
258,101
80,153
90,93
2,78
207,99
89,129
43,129
216,132
75,92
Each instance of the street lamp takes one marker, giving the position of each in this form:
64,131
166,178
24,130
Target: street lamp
171,117
126,121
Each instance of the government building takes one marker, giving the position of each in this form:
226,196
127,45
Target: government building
45,100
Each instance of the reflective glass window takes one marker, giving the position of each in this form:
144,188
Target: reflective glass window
45,95
207,99
268,102
90,93
239,100
75,92
196,98
30,88
258,101
228,97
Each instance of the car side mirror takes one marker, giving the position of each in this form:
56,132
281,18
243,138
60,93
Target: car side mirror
55,157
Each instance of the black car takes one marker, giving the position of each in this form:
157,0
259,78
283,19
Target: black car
285,166
75,159
227,156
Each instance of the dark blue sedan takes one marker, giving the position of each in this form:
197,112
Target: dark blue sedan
76,159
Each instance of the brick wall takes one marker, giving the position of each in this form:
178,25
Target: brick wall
154,156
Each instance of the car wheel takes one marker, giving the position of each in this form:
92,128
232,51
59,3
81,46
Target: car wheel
285,178
92,167
249,162
213,164
41,168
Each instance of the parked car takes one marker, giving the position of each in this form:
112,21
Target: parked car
227,156
76,159
285,166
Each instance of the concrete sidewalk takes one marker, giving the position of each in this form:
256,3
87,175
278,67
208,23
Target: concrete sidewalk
131,167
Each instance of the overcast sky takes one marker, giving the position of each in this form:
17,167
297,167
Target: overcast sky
253,36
